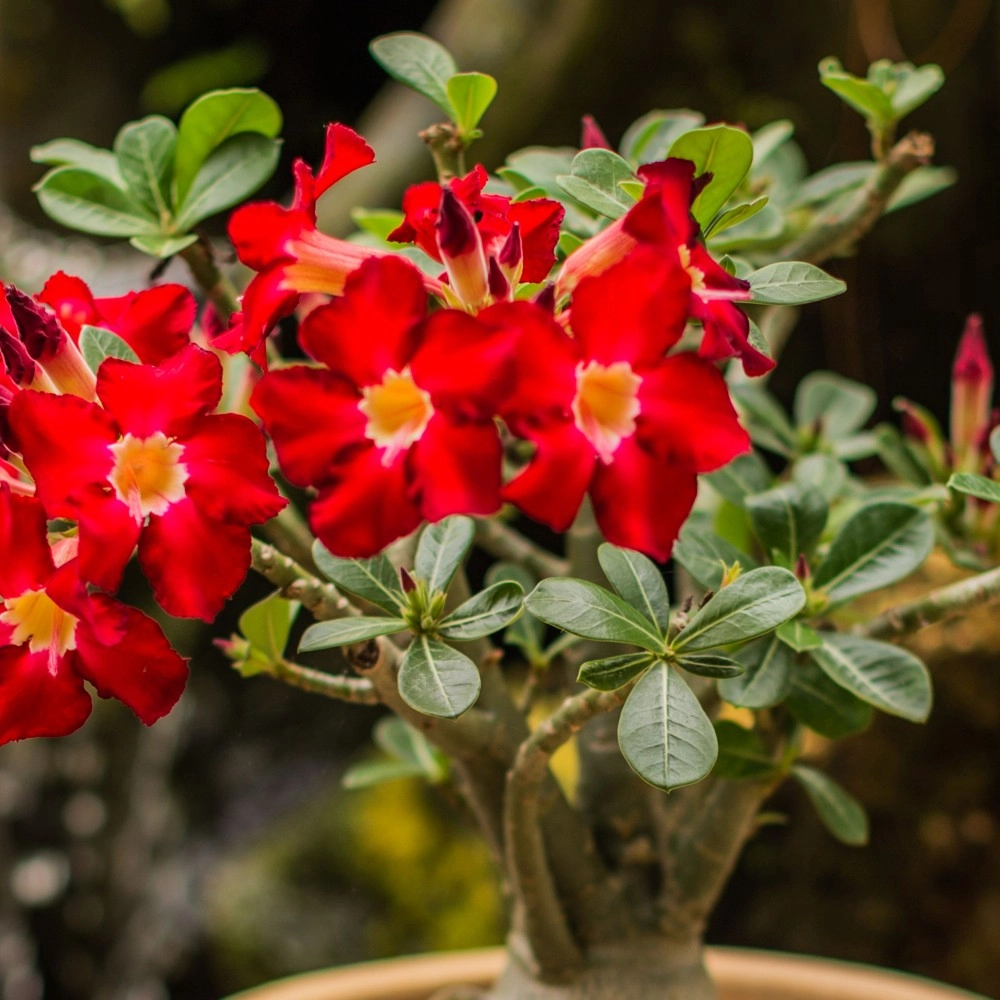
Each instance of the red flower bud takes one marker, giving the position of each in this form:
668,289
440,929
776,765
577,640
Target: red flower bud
462,250
591,135
971,395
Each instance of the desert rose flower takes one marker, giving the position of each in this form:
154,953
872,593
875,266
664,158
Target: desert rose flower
152,466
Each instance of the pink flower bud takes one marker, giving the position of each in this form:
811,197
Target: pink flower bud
971,395
591,135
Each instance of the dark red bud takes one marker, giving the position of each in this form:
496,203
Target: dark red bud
512,253
499,285
40,332
801,567
456,229
546,297
19,364
591,134
407,581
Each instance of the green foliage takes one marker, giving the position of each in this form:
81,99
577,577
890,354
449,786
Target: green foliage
722,151
840,813
436,679
470,95
788,519
638,581
406,754
484,613
742,754
706,556
595,180
767,674
441,550
972,485
266,626
347,631
96,344
613,672
373,580
792,282
823,705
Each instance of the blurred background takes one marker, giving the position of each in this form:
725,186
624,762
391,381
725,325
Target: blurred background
217,849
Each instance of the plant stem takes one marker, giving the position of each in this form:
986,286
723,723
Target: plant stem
323,600
358,690
933,607
447,150
217,287
290,533
505,542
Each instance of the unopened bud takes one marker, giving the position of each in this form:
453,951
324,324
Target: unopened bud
406,581
971,395
545,297
802,568
462,250
499,285
511,256
592,135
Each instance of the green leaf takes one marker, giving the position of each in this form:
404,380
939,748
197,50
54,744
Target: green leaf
710,665
441,549
421,63
163,246
751,605
73,153
650,137
840,813
764,418
734,216
96,344
484,613
744,476
920,184
664,733
211,120
374,580
758,231
913,86
584,609
470,94
436,679
767,677
788,519
995,444
823,472
525,632
410,752
724,152
232,172
742,754
823,706
704,554
865,97
880,544
367,773
634,189
145,152
770,137
839,405
266,624
346,631
975,486
613,672
797,635
377,221
888,677
824,185
638,581
792,282
92,204
593,181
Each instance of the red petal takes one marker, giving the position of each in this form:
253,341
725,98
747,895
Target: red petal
686,412
141,670
726,324
345,152
312,416
552,486
267,298
366,508
457,468
108,536
27,560
193,562
71,300
260,232
372,326
640,502
170,398
227,465
36,700
539,219
663,214
156,323
420,205
634,311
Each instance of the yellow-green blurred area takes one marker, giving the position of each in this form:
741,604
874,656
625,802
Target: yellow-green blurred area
217,849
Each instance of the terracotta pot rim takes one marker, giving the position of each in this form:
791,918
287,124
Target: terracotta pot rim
758,973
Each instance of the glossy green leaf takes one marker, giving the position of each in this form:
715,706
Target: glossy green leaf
266,625
638,581
594,181
436,679
374,580
751,605
768,664
92,204
734,216
347,631
377,221
232,172
724,152
742,754
839,405
792,282
764,419
924,182
710,665
758,231
888,677
840,813
634,189
96,344
862,95
145,152
664,733
538,167
484,613
526,632
770,137
418,61
797,635
650,137
582,608
441,549
913,85
788,519
975,486
831,182
612,672
880,544
705,555
73,153
745,476
470,95
211,120
823,706
163,246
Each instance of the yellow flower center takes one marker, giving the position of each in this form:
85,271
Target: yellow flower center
148,474
606,404
398,411
40,622
696,274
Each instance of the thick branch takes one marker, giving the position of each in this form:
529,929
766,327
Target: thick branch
505,542
358,690
933,607
297,584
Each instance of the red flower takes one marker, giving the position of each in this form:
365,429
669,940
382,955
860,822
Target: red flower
397,427
662,218
153,467
54,636
289,253
155,322
610,415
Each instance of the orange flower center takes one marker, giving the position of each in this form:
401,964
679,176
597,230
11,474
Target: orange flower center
40,622
398,411
606,404
148,474
696,274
